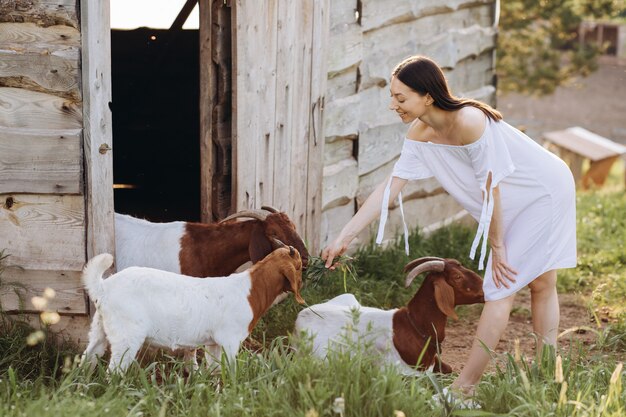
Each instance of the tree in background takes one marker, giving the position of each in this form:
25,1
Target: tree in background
537,45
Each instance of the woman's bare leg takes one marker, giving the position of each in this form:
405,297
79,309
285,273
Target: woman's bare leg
545,309
493,321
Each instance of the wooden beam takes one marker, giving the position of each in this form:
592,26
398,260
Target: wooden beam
254,88
207,93
319,50
184,13
97,129
300,131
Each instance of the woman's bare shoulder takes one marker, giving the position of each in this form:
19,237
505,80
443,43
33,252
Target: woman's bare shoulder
472,124
417,131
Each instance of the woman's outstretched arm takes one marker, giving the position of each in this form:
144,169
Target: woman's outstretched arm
366,214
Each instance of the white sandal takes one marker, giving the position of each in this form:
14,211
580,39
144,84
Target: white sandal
454,400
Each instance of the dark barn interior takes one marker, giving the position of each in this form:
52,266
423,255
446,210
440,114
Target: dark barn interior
156,164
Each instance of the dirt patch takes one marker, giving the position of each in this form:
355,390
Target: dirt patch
460,334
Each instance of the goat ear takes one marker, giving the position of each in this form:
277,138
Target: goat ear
259,246
292,276
444,296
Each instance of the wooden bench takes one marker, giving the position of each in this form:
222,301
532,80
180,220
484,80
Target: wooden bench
576,144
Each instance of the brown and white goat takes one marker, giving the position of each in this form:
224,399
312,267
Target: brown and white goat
401,335
167,310
203,250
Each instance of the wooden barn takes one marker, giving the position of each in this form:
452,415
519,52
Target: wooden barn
275,102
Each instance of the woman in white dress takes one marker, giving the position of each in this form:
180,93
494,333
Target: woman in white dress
522,196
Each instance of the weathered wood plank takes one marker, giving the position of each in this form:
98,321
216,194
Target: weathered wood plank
62,41
40,161
379,145
74,328
33,110
421,213
97,131
343,118
342,12
207,97
70,295
486,94
302,115
43,231
348,48
335,151
447,38
471,73
41,12
319,50
333,220
414,189
342,85
254,99
377,13
285,99
44,73
222,109
40,59
341,182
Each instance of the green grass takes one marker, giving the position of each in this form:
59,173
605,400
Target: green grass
377,279
284,379
285,382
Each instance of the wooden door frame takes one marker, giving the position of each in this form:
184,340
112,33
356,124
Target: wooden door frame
207,95
97,126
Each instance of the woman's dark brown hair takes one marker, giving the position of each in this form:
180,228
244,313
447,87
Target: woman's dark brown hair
423,75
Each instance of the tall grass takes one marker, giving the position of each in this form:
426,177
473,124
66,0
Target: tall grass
284,379
378,280
26,362
601,271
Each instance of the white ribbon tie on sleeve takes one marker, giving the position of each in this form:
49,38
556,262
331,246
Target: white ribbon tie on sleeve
384,212
483,229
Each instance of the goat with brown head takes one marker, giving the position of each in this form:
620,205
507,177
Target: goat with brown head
271,224
453,284
415,331
448,284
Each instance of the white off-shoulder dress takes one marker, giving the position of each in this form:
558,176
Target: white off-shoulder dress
537,198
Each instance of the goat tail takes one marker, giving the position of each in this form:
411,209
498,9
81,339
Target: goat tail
92,274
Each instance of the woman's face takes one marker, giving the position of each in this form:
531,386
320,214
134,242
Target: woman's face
408,104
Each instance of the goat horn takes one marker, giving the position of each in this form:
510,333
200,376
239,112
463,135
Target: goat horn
434,265
278,243
270,209
254,214
419,261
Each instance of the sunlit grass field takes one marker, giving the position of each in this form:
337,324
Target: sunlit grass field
284,379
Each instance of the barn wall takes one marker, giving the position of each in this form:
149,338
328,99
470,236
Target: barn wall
43,203
363,138
279,79
42,208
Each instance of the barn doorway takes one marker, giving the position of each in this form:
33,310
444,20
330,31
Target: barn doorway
162,168
156,123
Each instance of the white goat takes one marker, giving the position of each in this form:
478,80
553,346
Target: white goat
203,249
402,336
167,310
